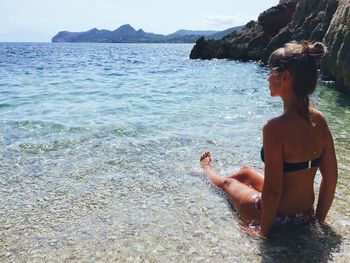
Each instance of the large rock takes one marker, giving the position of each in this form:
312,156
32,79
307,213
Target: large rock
310,21
337,62
251,42
273,19
313,20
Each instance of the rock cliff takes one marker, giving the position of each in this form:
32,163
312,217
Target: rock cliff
337,62
313,20
252,42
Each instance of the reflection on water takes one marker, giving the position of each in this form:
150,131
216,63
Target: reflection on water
99,157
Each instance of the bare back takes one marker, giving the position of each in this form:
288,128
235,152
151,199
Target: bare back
301,142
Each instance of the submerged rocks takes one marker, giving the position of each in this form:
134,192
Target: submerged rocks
313,20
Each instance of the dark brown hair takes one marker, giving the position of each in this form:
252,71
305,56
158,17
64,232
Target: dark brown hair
300,58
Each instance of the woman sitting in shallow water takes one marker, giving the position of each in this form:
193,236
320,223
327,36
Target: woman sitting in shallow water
295,144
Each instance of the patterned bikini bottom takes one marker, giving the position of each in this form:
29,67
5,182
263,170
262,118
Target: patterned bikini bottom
304,217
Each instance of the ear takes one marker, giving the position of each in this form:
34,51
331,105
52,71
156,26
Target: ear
287,77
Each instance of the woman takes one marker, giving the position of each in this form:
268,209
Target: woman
295,144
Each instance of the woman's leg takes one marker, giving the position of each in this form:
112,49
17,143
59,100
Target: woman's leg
248,176
241,195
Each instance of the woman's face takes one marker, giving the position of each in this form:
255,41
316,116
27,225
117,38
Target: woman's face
274,82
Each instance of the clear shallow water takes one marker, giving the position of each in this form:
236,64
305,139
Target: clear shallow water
99,156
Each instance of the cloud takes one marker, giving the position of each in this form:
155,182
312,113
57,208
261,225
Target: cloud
224,21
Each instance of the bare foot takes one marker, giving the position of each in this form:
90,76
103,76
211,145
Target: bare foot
205,160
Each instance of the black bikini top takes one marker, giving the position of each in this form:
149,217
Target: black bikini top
292,167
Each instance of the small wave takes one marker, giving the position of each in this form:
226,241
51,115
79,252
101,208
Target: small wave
4,105
134,61
162,71
116,74
234,117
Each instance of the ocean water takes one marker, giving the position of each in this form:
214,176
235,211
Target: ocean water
99,148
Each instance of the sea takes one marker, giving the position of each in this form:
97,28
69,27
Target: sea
100,147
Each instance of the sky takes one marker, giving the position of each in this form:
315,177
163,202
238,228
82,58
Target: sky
40,20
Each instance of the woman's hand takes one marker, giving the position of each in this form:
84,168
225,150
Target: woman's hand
253,229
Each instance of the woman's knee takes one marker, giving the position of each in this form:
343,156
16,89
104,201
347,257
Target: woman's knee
246,170
245,173
226,183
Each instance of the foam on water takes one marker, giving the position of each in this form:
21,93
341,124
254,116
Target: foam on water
99,147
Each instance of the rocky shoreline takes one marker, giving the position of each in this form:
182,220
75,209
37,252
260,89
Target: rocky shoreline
313,20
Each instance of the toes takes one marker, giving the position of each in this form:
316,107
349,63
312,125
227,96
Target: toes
206,155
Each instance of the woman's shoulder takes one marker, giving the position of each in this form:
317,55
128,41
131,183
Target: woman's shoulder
317,117
276,122
274,126
287,122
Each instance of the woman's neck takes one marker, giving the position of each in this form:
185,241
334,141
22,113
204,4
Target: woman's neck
290,103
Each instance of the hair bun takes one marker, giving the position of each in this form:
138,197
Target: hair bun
317,50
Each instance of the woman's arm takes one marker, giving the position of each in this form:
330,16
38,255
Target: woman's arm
329,172
273,182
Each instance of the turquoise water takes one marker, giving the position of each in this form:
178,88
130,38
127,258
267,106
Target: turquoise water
99,156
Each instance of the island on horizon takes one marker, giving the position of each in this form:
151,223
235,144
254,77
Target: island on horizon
127,34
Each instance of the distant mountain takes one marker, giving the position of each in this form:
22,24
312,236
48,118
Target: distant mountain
224,33
127,34
123,34
183,32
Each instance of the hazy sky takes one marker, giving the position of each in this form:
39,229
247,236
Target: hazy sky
40,20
